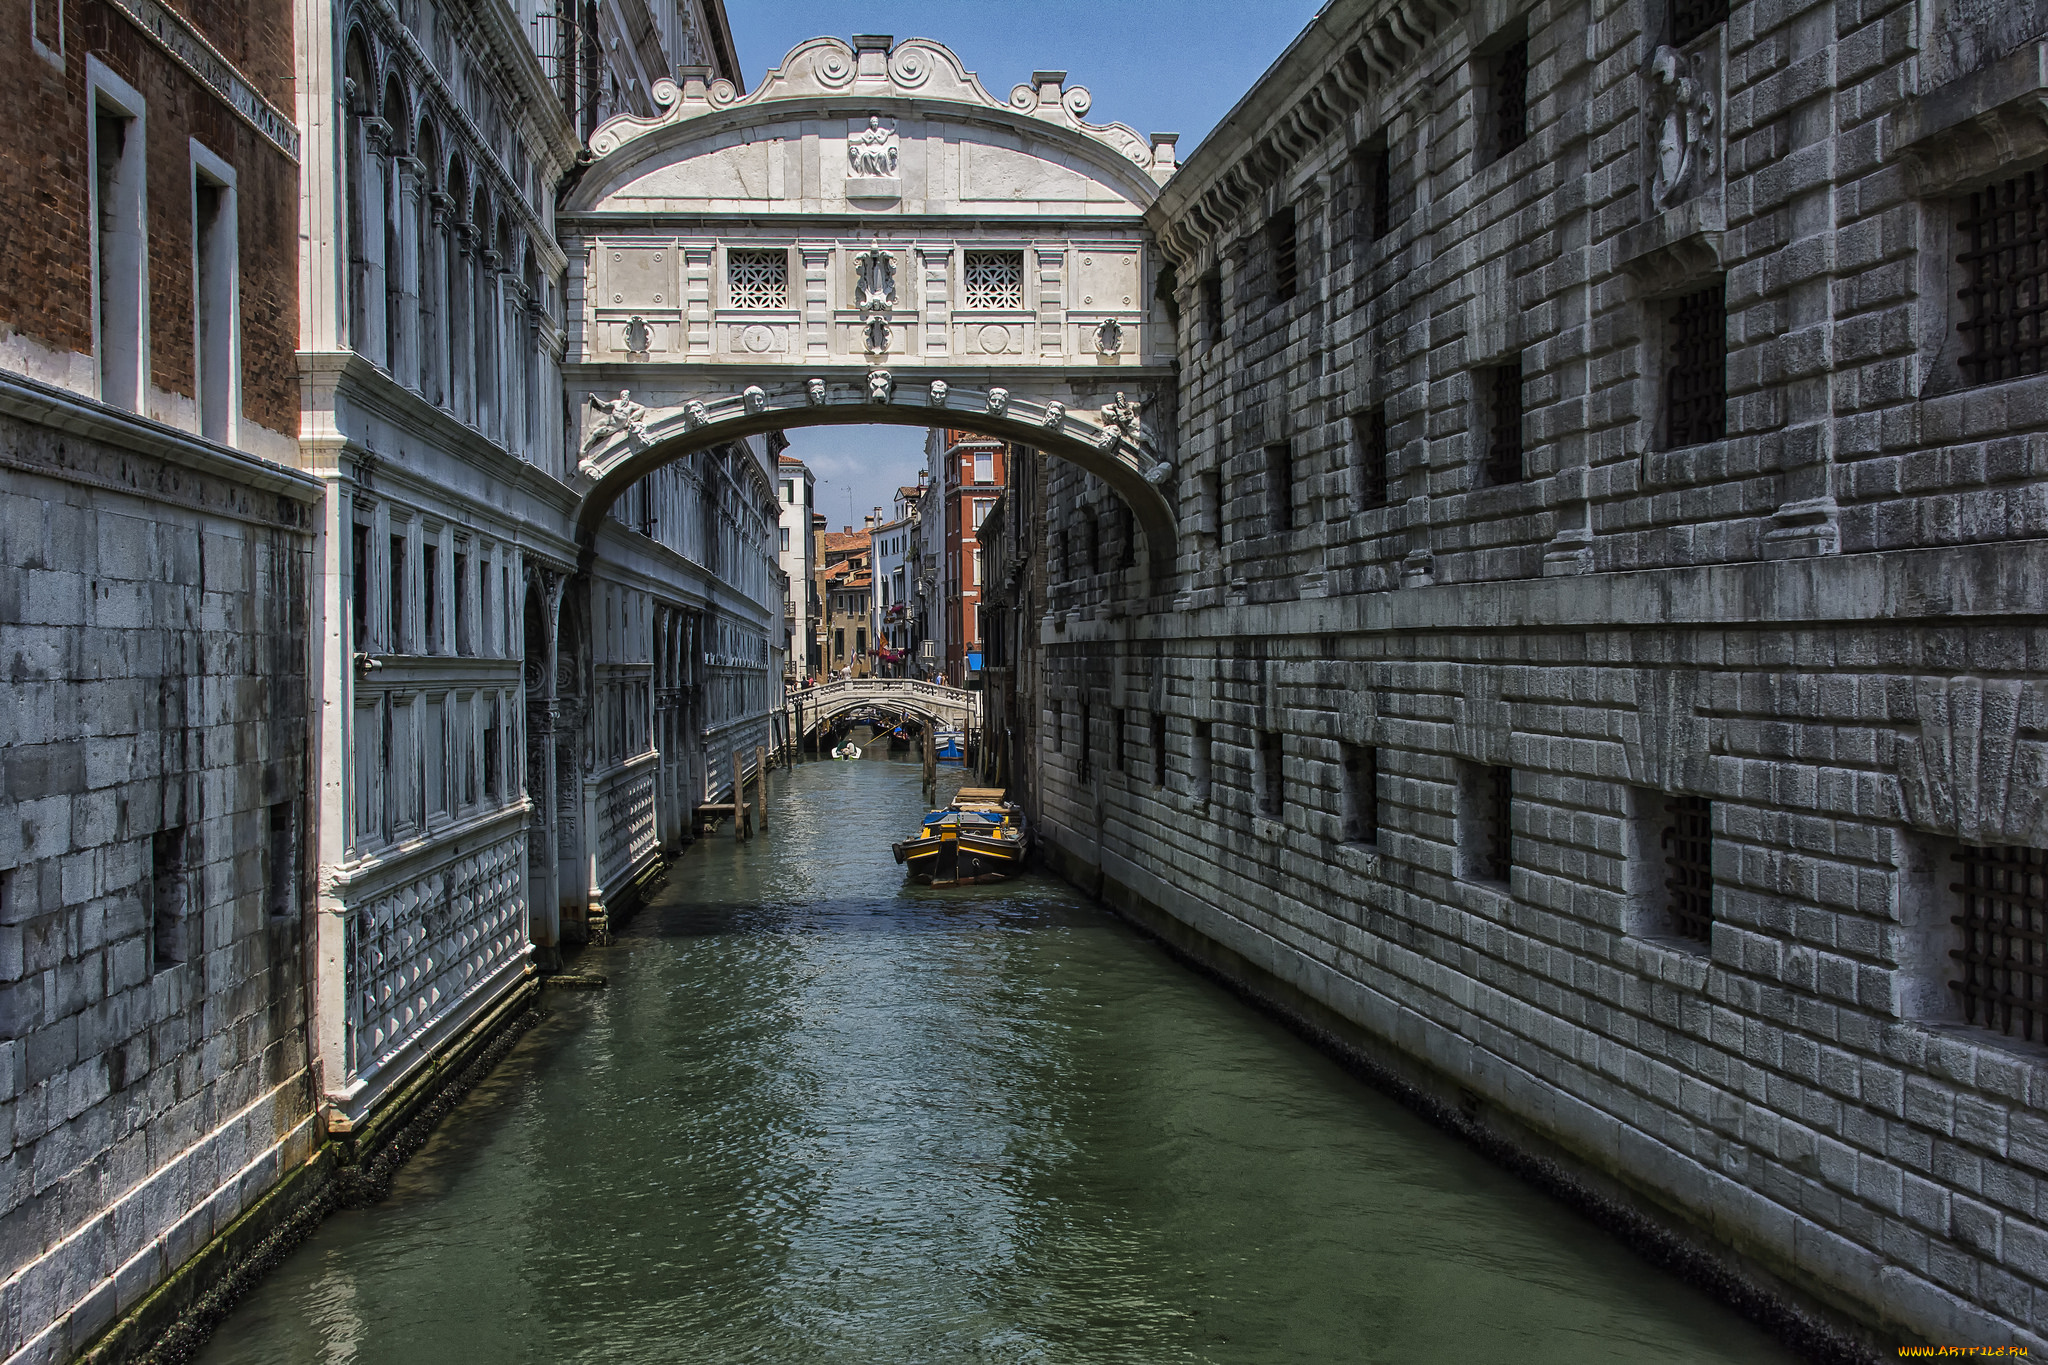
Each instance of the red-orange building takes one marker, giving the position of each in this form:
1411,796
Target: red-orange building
967,473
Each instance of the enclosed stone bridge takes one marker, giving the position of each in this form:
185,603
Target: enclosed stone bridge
871,237
946,708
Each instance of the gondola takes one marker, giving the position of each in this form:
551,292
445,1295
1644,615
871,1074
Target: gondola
979,838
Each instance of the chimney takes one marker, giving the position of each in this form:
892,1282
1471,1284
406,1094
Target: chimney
867,523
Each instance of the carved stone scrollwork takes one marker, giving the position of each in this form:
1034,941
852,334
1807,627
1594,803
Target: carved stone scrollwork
1681,113
1109,337
638,337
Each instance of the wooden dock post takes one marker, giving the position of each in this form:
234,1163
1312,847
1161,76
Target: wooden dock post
761,784
931,768
739,798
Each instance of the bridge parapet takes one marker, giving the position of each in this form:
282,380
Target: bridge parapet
950,706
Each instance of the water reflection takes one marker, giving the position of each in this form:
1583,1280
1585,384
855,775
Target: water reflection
820,1116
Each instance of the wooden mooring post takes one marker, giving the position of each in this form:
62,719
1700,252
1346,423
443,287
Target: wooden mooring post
740,821
931,768
761,783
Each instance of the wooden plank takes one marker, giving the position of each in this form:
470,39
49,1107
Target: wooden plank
761,784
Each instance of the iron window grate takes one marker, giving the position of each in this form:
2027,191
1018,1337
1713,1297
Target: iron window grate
758,279
1498,854
1504,428
1271,792
1212,306
1692,18
1689,865
995,280
1280,486
1158,749
2005,252
1361,794
1281,238
2004,923
1369,429
1511,98
1382,196
1696,386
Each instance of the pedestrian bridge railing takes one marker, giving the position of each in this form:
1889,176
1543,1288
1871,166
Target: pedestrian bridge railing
947,707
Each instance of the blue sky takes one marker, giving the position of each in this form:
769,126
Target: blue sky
1162,68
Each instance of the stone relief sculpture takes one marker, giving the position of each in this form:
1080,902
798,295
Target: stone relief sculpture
1055,413
638,336
814,392
871,152
754,398
694,415
1120,418
937,396
1109,337
621,415
875,280
878,336
881,386
1682,116
998,402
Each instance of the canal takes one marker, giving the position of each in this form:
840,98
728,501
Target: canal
817,1116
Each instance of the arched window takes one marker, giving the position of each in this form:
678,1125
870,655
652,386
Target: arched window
359,93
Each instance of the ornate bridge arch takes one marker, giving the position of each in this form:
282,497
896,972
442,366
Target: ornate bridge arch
871,237
946,707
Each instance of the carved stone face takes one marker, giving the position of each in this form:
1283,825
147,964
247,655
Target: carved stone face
814,389
998,401
938,393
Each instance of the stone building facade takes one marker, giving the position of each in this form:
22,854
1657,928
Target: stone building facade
156,562
1603,677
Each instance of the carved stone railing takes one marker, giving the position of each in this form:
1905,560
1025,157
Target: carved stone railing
955,706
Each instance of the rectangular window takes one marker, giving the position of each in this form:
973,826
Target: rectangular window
430,598
1212,500
984,472
1270,785
981,507
1116,738
1283,246
168,889
120,256
1502,402
1158,749
396,569
1486,825
1509,89
483,605
2001,902
492,774
1692,19
995,281
782,538
860,640
359,595
789,491
1057,720
1361,809
1374,174
1279,487
214,294
1696,384
283,897
1201,761
757,279
977,568
1369,446
460,594
1212,307
1087,758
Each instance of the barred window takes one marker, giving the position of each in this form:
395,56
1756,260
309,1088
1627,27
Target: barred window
1212,306
2005,255
1486,827
1696,385
1271,790
1158,748
1511,98
1361,806
1279,487
995,280
758,279
1369,436
1692,18
1689,865
2004,931
1375,174
1116,740
1503,395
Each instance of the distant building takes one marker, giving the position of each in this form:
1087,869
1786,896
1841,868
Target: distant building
844,586
891,604
966,477
798,548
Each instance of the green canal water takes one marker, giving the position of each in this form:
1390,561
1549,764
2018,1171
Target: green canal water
820,1117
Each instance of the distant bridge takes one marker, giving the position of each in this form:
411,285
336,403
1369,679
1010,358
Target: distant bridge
943,708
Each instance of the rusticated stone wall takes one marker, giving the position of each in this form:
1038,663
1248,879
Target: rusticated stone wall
1425,720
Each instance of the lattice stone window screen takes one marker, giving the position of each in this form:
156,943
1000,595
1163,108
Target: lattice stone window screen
995,280
2004,240
2004,953
758,279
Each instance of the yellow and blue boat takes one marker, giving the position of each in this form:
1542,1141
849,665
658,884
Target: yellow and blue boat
979,838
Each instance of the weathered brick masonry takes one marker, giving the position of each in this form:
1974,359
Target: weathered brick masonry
1474,716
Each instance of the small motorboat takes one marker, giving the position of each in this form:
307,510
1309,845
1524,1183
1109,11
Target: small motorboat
847,750
979,838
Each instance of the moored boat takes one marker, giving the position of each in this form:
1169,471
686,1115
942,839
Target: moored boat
979,838
949,746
